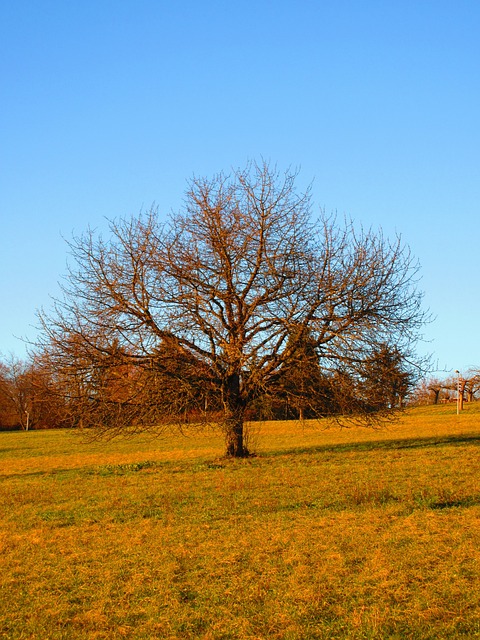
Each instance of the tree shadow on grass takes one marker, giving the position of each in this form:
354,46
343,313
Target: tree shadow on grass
470,439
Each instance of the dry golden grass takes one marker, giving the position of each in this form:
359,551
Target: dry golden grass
327,533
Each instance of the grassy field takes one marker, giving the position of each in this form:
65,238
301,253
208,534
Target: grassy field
326,533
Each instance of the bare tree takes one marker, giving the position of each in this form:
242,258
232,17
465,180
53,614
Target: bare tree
435,387
16,390
8,409
233,282
472,384
29,398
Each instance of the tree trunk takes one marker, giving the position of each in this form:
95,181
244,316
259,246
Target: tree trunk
234,419
234,440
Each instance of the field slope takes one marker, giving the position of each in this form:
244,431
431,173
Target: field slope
326,533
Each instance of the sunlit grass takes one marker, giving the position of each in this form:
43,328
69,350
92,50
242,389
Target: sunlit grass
326,533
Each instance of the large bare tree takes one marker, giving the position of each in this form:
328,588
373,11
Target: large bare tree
231,286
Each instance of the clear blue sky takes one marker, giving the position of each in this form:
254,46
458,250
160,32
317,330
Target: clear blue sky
107,106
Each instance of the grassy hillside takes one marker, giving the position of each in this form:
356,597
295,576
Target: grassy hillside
326,533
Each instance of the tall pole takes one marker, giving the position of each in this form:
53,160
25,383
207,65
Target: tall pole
458,391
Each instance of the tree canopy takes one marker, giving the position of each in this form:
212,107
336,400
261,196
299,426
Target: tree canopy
204,312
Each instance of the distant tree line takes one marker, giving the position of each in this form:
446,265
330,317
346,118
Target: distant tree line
29,398
435,390
33,395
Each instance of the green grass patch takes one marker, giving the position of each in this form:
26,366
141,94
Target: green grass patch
326,533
